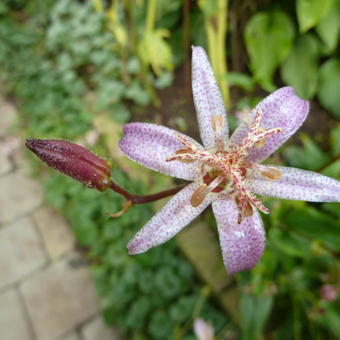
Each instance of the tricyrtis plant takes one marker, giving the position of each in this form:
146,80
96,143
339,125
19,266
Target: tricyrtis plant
224,172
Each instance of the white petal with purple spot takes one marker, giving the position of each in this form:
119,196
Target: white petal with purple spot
297,184
281,109
151,144
208,99
172,218
242,244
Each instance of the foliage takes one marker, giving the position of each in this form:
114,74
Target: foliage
54,65
269,36
69,63
149,296
303,241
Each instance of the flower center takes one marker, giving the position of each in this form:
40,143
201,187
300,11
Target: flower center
225,168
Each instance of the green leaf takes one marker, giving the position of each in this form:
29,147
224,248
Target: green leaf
254,313
155,51
335,140
136,93
329,28
328,93
311,12
316,225
290,243
268,37
241,80
300,69
310,157
333,170
331,318
119,113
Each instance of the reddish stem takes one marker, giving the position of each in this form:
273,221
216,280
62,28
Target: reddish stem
141,199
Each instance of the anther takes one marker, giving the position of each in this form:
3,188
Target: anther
261,142
217,122
271,173
199,195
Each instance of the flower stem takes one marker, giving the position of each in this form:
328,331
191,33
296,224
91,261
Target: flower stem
151,15
141,199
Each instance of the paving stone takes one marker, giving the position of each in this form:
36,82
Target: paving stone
19,195
7,117
72,336
13,323
21,251
55,232
5,165
97,329
60,298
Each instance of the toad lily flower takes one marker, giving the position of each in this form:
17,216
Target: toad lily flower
225,172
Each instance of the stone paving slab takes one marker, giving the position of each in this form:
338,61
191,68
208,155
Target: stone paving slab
5,165
13,324
55,232
7,117
97,329
73,336
19,195
60,298
21,251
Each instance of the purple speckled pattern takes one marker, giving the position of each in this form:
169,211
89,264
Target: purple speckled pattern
283,109
207,97
151,144
242,244
72,160
171,219
297,184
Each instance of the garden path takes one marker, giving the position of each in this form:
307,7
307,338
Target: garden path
46,292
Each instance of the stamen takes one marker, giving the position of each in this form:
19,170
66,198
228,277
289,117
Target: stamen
183,157
217,122
271,173
257,120
248,210
201,193
186,142
184,150
261,142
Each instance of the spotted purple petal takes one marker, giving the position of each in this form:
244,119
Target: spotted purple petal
151,144
172,218
297,184
208,99
283,109
242,244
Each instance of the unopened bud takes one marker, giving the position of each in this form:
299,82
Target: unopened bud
72,160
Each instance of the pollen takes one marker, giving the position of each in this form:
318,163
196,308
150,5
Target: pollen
261,142
217,122
271,173
199,195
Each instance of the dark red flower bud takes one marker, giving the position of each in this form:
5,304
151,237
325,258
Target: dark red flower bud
72,160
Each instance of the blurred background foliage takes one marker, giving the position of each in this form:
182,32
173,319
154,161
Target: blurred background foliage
80,69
